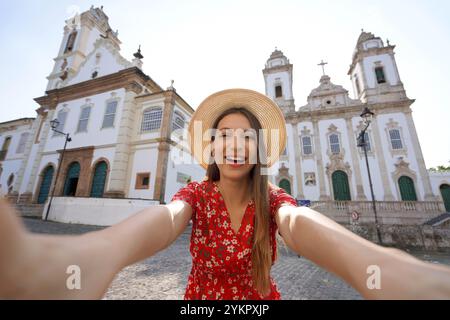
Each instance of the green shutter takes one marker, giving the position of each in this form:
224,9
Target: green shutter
407,190
286,185
72,179
445,192
98,181
340,186
44,190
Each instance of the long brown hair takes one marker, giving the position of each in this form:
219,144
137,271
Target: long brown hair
261,251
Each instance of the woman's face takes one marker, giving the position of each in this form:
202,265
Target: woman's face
235,147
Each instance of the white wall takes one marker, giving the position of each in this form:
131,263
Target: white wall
144,159
389,70
13,160
95,135
188,167
94,211
391,159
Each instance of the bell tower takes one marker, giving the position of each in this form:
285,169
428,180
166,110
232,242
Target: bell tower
374,72
80,34
278,81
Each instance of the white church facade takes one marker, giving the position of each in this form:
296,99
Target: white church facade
120,122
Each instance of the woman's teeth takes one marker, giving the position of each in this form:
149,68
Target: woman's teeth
235,160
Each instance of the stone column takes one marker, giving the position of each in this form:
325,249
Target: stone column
382,161
356,163
419,157
27,196
298,168
119,166
320,170
164,146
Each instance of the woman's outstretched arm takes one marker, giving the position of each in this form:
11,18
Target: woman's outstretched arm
358,261
36,266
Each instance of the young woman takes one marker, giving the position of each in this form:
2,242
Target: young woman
236,214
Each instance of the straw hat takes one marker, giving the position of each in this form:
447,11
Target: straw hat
265,110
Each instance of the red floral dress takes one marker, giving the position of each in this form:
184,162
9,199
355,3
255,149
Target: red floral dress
221,258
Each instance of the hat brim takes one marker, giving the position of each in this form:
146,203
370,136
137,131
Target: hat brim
262,107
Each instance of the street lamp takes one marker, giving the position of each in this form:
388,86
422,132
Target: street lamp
367,115
54,125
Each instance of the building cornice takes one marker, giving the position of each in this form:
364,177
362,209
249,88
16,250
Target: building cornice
122,79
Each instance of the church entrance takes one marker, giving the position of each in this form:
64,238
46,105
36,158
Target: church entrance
445,192
341,187
286,185
407,190
44,190
70,185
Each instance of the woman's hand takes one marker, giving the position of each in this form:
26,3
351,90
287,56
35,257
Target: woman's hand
358,261
36,266
42,266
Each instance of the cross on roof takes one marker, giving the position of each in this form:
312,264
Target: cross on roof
322,64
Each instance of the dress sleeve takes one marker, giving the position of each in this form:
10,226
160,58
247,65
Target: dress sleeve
188,194
278,197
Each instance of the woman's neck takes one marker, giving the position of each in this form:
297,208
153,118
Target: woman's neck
235,192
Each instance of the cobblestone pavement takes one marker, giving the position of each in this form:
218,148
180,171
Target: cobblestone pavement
164,276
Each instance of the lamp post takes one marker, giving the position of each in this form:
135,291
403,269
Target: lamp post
54,124
367,115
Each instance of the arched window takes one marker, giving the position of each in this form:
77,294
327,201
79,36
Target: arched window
307,145
341,187
286,185
396,139
61,117
70,185
178,121
151,119
407,189
46,182
110,114
445,192
367,141
379,72
99,179
70,41
84,119
5,148
10,183
278,91
22,142
334,143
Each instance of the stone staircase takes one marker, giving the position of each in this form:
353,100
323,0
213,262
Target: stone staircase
30,210
438,220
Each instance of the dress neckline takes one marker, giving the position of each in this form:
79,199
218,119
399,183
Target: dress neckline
243,220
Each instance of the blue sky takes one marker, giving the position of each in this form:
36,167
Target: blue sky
206,46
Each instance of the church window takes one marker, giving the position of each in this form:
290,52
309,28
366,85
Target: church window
307,145
151,119
110,114
5,148
84,118
71,42
278,92
334,143
61,117
178,121
358,88
367,141
379,72
396,140
22,141
142,180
